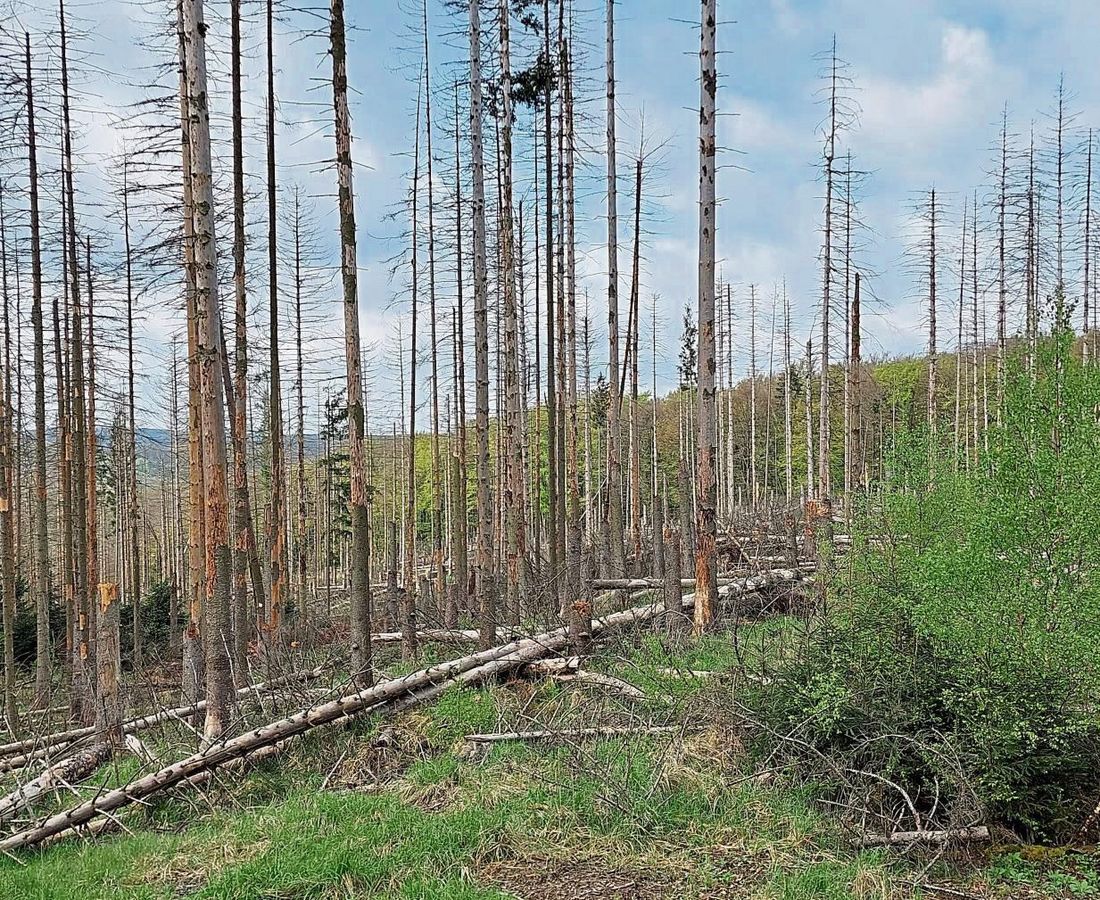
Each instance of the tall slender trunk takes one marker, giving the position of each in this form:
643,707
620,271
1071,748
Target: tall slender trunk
788,430
133,587
932,415
41,547
551,385
300,477
614,461
218,556
360,490
486,590
276,539
437,468
824,443
193,656
856,390
706,570
460,519
83,668
7,500
512,485
408,614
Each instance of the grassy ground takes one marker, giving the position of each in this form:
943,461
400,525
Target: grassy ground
408,809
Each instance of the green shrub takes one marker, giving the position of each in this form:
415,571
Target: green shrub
959,656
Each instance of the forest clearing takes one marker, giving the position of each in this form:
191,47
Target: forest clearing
371,525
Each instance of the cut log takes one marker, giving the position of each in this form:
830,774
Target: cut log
617,685
975,833
570,734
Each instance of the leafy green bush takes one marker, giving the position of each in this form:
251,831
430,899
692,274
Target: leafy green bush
958,655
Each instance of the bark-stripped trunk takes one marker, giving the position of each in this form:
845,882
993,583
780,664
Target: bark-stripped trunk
83,667
7,497
245,559
360,490
486,590
437,467
614,460
460,519
855,392
824,443
580,608
300,472
133,585
218,557
788,430
408,613
40,581
932,417
276,539
706,571
551,375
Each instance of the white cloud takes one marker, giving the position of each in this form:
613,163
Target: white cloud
900,114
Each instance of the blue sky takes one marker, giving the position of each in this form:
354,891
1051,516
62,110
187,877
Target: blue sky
930,78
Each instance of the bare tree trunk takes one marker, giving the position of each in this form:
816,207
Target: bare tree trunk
614,461
437,469
300,476
855,392
276,539
408,613
486,589
208,335
92,547
808,401
360,490
193,656
512,486
1002,284
754,487
551,385
133,587
41,551
932,416
824,443
580,607
460,519
706,572
245,558
7,497
788,430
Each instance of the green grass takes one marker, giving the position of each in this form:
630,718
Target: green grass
684,815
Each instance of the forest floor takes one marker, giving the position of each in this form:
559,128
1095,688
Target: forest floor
408,808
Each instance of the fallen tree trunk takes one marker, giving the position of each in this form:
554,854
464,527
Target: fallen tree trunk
71,770
439,635
416,687
36,748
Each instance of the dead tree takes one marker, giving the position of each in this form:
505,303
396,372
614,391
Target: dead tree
706,572
40,581
486,590
360,490
276,539
614,458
